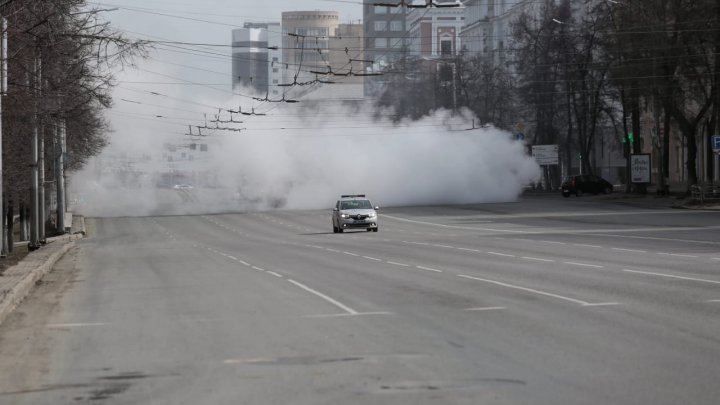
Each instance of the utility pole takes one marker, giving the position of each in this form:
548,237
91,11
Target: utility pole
60,176
3,89
34,226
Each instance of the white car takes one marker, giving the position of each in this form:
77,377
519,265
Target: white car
354,211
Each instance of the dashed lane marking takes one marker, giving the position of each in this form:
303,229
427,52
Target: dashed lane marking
500,254
677,255
272,273
586,245
351,254
345,315
584,265
702,280
372,258
630,250
429,269
539,292
398,264
325,297
257,268
485,309
537,259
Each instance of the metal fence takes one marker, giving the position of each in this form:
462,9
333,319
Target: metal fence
705,193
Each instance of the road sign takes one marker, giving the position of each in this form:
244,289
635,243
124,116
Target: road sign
640,168
519,136
545,154
716,143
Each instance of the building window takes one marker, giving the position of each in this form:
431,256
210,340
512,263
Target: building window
275,70
203,147
381,10
275,81
396,26
381,43
380,25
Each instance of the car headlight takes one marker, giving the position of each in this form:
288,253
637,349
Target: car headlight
372,215
344,216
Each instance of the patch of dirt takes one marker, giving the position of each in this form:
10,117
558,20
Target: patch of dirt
13,258
24,339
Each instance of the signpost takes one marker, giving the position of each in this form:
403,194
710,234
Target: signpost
716,143
546,155
640,168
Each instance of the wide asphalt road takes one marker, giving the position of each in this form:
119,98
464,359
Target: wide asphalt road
545,301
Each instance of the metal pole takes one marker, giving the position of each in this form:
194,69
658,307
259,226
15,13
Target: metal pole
60,177
34,173
3,89
41,182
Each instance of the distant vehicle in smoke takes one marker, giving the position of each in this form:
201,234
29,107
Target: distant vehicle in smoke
182,187
586,183
354,211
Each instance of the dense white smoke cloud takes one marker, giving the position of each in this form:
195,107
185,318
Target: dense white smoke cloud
302,160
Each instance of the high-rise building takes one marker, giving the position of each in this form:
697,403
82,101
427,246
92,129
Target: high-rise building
306,43
256,58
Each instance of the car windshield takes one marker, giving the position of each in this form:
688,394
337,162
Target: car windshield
355,205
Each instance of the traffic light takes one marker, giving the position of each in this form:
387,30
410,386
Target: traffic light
629,138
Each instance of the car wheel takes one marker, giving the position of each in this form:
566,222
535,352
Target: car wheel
335,229
369,229
340,230
566,195
607,190
375,229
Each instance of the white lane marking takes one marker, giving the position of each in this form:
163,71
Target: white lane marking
232,257
469,250
344,315
351,254
458,227
325,297
332,250
244,262
372,258
656,238
417,243
553,242
485,308
315,246
520,240
429,269
444,246
531,290
500,254
272,273
601,304
702,280
398,264
716,258
586,245
257,268
537,259
712,301
584,265
677,255
629,250
75,325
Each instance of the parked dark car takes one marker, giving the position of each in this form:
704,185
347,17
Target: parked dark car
585,183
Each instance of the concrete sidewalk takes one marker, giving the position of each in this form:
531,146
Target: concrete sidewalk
17,281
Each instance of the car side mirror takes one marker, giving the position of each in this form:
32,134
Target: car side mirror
377,208
335,209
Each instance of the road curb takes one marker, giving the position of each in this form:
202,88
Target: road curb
18,281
